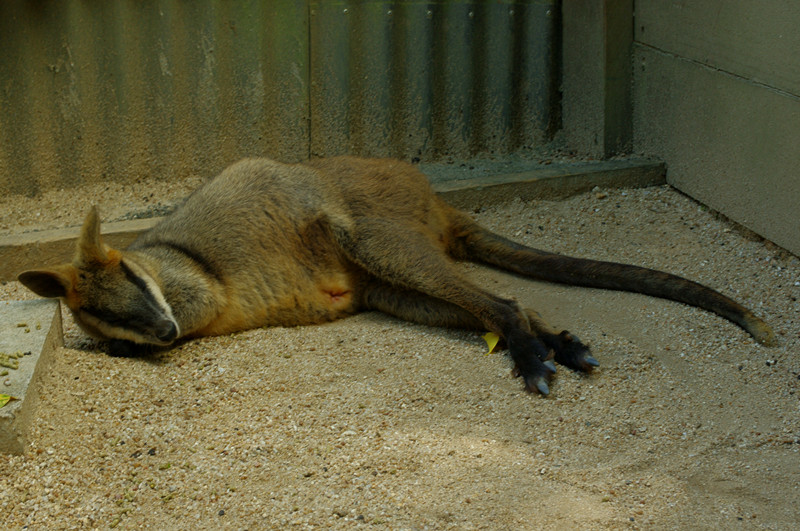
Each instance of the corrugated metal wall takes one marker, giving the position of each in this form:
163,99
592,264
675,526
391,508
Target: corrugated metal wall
125,89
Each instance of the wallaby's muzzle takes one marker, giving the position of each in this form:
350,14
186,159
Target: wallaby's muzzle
166,331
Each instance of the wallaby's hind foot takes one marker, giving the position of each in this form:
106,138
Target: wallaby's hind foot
533,352
566,347
571,353
547,347
535,369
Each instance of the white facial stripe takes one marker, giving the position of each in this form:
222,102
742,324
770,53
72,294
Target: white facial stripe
154,290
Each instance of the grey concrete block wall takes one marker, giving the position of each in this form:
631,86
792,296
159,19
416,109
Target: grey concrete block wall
717,96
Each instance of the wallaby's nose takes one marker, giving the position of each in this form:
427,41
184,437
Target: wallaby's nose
167,331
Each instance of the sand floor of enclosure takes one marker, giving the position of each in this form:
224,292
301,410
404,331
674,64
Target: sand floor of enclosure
373,423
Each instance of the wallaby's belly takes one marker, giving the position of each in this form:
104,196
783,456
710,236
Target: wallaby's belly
285,302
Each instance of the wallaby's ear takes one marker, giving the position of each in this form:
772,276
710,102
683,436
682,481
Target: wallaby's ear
51,283
91,249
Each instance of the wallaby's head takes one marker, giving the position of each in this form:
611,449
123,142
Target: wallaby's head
111,296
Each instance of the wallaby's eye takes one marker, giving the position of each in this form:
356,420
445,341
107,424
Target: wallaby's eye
106,316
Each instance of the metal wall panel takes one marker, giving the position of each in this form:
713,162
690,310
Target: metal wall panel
125,90
433,80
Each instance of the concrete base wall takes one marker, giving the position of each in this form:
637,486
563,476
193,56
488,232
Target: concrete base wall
717,96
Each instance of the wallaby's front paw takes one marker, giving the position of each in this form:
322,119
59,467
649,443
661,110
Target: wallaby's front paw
120,348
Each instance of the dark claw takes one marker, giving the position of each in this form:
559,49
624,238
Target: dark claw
590,360
538,384
550,365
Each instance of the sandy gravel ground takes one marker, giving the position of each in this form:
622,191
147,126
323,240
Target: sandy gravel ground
373,423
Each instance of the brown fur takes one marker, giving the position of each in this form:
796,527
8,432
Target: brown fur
267,244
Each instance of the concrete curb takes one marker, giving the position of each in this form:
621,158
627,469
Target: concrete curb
556,181
32,329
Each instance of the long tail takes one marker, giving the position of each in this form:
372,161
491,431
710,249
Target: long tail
479,244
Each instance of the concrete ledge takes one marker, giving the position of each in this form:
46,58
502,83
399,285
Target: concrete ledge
32,329
473,187
554,181
19,252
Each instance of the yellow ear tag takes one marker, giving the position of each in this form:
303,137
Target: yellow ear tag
491,340
4,399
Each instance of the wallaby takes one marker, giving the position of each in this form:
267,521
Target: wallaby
266,243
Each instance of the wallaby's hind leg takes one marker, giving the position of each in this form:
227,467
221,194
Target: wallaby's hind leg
413,260
473,242
417,307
